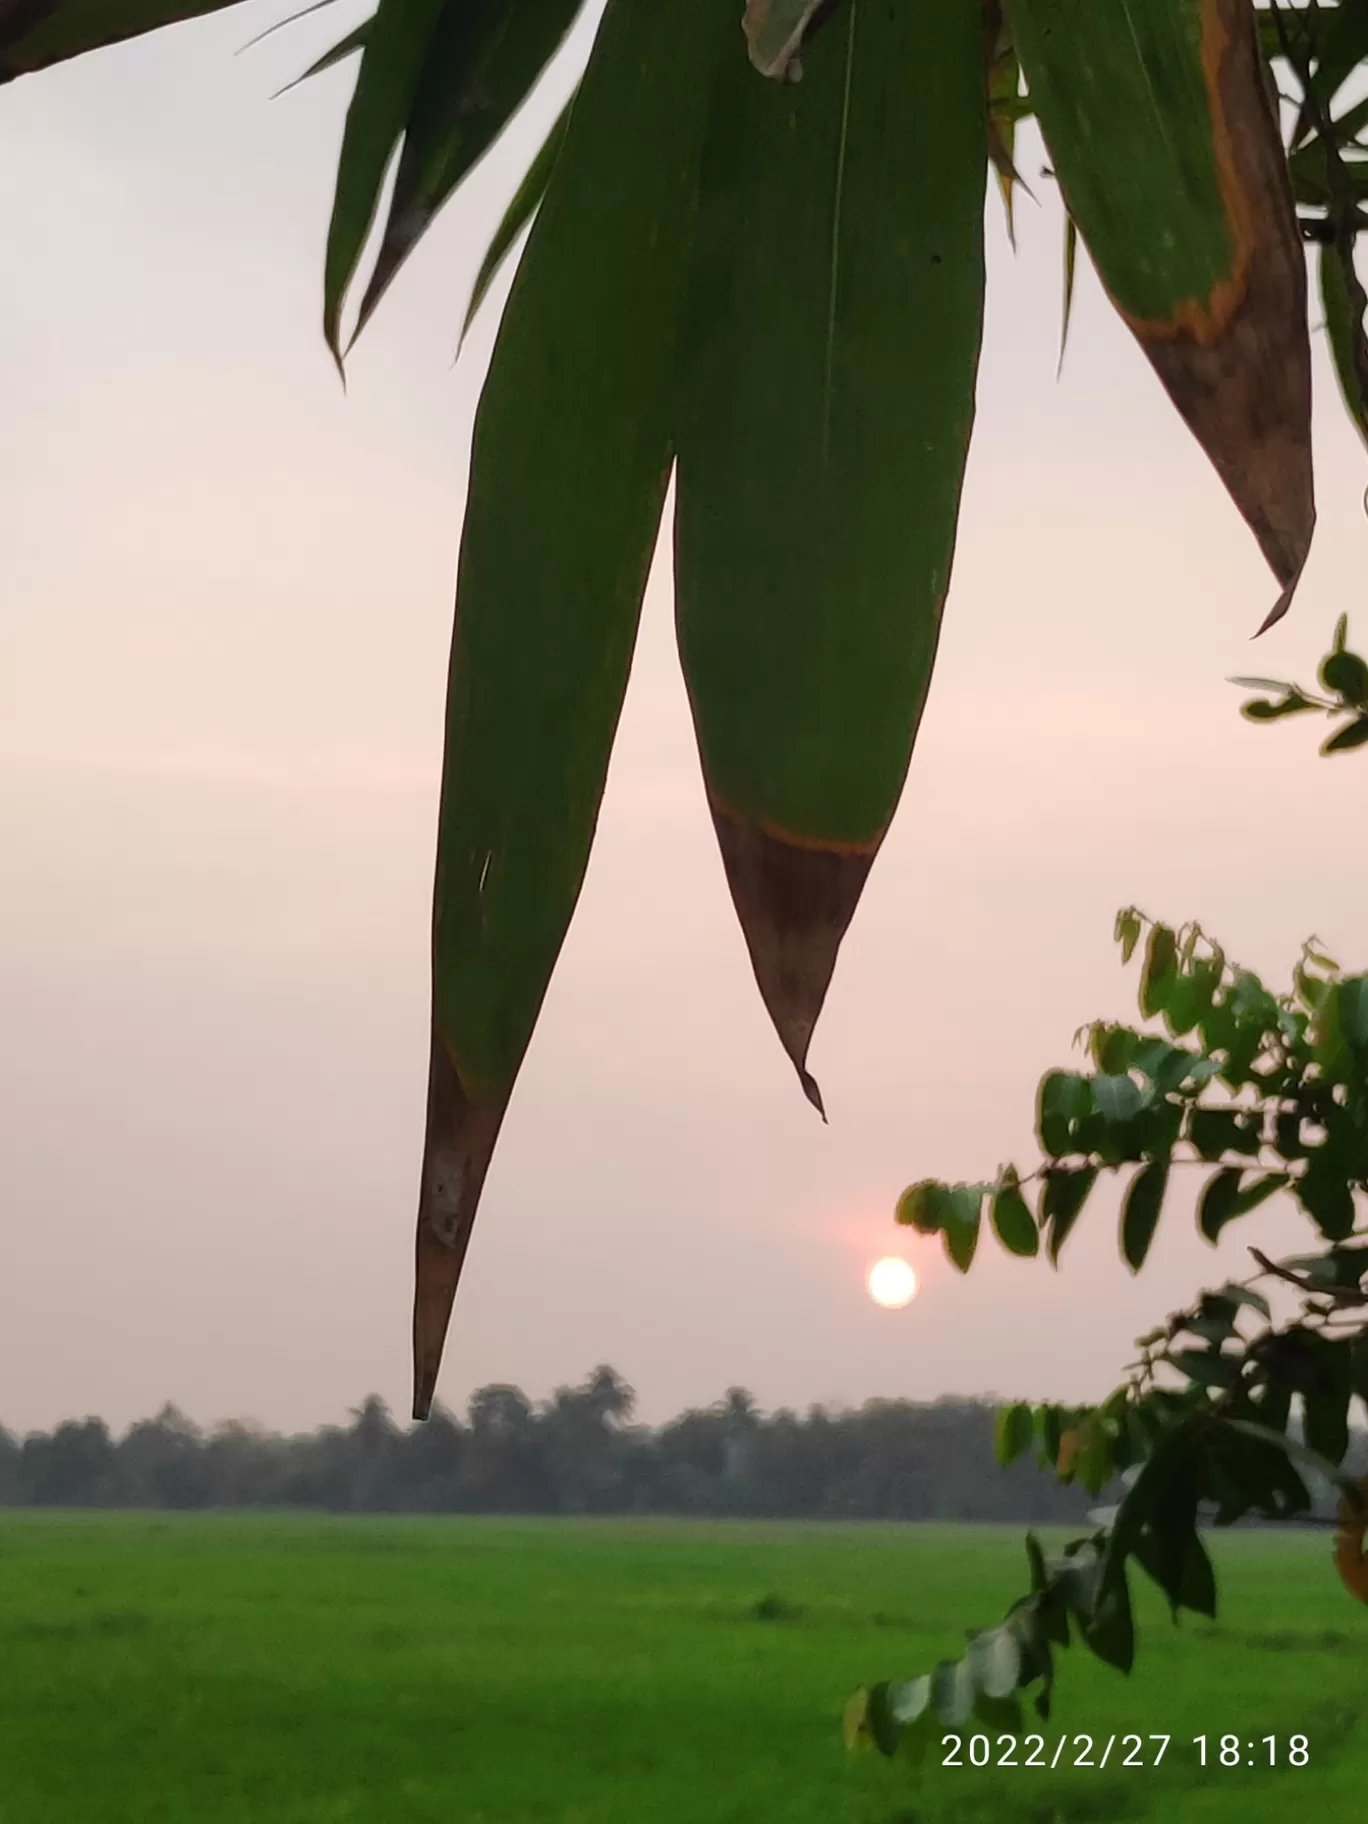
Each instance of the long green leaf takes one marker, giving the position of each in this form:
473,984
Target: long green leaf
571,456
1070,275
526,201
1344,302
281,25
1340,40
1166,146
37,33
397,44
347,46
484,59
827,393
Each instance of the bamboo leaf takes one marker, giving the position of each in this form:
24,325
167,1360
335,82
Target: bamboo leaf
280,25
572,437
354,41
526,201
1070,272
484,59
827,394
397,44
1167,150
1341,44
37,33
1344,303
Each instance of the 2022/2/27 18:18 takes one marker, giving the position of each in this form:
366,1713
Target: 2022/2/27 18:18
1120,1751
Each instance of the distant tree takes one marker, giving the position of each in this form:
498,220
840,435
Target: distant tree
426,1468
74,1467
583,1428
10,1457
244,1466
575,1453
161,1463
504,1468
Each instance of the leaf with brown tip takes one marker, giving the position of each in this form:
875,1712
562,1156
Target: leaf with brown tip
826,397
571,457
1166,145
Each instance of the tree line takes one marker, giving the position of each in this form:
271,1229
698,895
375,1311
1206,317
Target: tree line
577,1452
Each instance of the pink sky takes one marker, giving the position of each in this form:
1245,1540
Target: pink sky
222,656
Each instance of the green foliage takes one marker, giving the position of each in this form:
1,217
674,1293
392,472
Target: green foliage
1344,692
775,285
1227,1411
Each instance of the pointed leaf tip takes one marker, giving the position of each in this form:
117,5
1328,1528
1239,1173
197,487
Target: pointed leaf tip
457,1148
1167,149
811,1090
814,526
794,903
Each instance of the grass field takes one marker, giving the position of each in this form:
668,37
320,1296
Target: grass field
298,1670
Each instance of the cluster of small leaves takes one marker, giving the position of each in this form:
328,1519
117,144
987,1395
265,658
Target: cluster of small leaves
1343,677
1225,1412
1269,1091
1213,1449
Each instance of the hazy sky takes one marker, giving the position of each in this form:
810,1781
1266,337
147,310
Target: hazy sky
223,636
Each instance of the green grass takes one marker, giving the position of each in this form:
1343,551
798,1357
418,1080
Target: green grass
297,1670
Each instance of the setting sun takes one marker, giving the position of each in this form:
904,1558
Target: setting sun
892,1283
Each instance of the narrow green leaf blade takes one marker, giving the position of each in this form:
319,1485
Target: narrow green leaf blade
397,44
355,40
483,61
1168,153
827,390
37,33
1344,303
1070,275
573,437
526,201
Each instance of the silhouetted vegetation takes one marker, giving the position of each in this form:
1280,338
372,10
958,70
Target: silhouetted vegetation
576,1453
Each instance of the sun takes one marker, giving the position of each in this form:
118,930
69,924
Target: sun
892,1283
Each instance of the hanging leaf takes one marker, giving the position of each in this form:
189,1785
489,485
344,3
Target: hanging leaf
1344,302
1063,1194
1007,104
1140,1211
37,33
1012,1218
355,40
827,394
483,61
1348,735
397,44
1167,151
573,435
526,201
1070,273
1339,39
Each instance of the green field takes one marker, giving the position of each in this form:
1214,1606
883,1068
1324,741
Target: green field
298,1670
